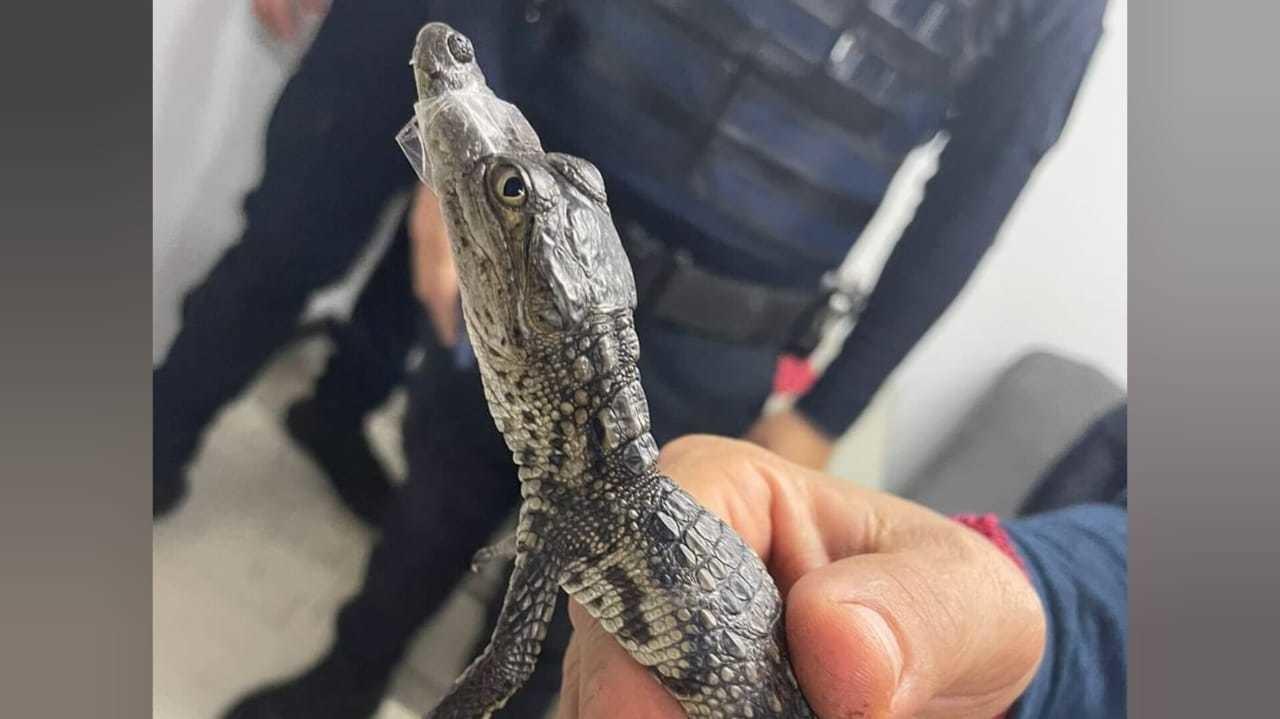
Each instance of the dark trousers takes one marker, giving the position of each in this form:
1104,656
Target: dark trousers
331,165
371,348
460,488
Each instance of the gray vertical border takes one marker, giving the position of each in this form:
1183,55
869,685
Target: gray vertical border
75,212
1205,359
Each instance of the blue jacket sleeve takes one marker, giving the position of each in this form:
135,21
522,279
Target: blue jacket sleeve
1009,115
1077,558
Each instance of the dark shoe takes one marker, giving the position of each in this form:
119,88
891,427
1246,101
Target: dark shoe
336,688
168,471
168,489
344,456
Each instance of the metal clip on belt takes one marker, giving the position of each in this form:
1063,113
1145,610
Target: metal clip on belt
832,304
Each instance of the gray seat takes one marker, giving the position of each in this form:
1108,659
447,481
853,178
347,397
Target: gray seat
1030,415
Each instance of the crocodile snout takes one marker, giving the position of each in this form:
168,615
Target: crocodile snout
444,60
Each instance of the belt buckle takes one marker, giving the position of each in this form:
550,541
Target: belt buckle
833,303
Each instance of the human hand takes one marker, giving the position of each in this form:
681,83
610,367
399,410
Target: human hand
892,610
281,17
789,434
435,277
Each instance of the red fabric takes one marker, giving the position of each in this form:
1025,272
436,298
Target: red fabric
794,375
988,525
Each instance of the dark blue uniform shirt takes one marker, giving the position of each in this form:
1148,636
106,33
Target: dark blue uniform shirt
1078,560
761,135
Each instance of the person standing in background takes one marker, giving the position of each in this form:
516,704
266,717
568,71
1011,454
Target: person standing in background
329,170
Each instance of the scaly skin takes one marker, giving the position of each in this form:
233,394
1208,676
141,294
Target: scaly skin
548,296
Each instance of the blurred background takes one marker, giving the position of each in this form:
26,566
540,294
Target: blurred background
249,574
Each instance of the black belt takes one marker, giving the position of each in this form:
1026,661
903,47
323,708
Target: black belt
672,288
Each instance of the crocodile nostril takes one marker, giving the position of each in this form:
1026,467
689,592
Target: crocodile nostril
460,48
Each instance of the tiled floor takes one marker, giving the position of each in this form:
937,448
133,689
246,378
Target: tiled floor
249,573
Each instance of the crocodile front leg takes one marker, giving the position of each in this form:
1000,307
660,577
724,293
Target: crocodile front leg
687,598
503,549
513,650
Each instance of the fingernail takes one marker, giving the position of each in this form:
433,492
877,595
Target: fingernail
874,624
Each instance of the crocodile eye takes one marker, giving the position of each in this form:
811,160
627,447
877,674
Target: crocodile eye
508,185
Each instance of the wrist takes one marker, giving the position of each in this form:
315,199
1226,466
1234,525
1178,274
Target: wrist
989,526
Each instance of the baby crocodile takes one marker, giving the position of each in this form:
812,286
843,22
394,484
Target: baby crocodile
548,297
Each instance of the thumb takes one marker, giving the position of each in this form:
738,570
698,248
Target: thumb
846,650
908,634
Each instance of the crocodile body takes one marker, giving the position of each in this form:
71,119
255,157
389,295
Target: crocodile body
548,297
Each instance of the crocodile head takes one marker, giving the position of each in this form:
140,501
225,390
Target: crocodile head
537,253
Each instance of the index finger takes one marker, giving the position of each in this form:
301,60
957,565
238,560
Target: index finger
794,518
724,476
609,684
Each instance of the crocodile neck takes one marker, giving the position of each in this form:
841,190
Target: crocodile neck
574,410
